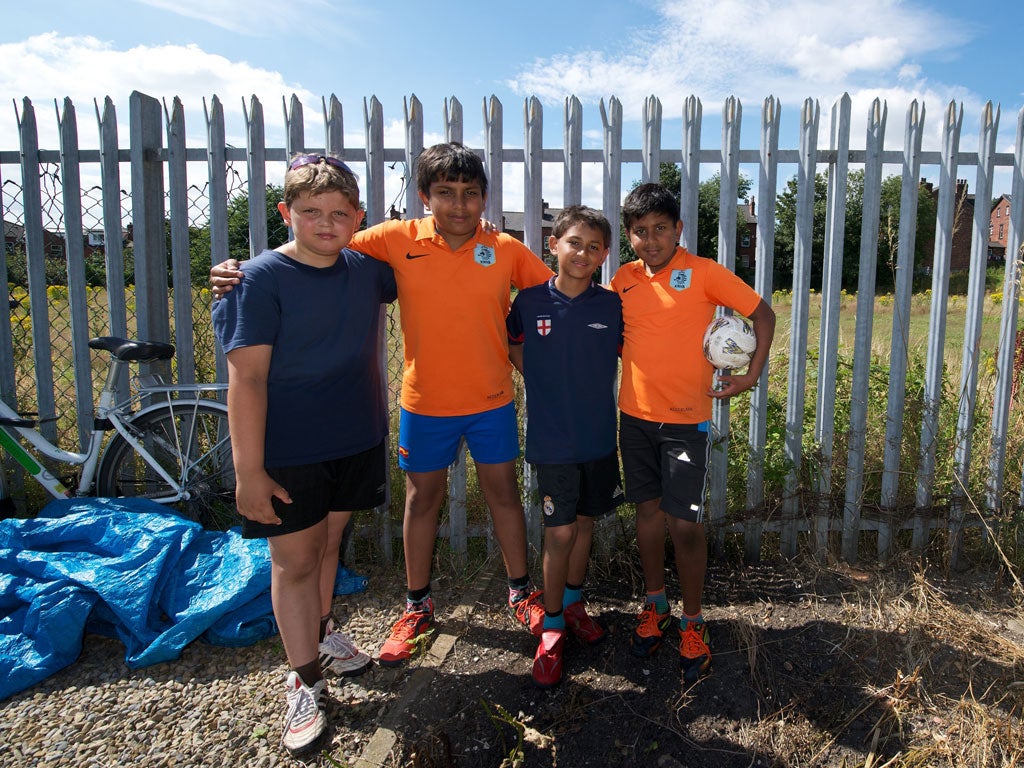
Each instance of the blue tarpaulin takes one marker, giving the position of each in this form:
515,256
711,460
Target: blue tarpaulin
132,570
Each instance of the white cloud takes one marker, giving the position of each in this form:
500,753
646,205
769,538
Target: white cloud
792,49
85,68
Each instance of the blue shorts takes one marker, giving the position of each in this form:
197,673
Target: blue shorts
429,443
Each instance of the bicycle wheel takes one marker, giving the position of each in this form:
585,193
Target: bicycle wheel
189,440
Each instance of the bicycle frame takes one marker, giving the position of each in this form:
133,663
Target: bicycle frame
117,415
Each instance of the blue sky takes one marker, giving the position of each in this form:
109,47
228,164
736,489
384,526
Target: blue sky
794,49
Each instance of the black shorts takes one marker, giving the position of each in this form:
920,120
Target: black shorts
666,461
590,489
338,485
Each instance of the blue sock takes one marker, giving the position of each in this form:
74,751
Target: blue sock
659,600
685,621
554,620
572,595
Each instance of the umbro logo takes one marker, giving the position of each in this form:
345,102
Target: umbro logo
630,288
411,256
597,326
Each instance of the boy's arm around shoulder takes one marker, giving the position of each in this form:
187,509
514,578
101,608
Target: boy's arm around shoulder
247,424
763,320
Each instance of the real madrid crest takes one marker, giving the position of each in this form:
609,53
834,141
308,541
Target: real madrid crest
549,506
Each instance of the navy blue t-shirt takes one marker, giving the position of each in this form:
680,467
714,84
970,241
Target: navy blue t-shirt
325,398
570,365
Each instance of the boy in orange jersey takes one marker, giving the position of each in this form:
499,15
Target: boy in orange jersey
454,284
668,298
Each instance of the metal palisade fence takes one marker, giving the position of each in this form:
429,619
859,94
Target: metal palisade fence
815,500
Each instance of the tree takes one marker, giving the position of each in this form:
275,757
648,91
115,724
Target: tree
888,238
670,177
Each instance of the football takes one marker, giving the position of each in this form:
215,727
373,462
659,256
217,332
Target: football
729,342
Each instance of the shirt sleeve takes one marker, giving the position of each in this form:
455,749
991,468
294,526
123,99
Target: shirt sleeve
373,241
514,323
249,316
528,269
727,289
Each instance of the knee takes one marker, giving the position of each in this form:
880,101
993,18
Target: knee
560,538
299,567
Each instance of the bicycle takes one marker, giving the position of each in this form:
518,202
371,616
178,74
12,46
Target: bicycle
171,442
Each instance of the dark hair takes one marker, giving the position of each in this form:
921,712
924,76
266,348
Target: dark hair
646,199
581,214
317,178
449,162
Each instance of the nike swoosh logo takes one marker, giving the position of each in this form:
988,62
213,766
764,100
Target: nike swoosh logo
411,256
630,288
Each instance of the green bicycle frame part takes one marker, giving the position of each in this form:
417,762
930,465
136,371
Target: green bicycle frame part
30,465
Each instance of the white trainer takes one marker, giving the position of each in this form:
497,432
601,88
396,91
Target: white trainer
305,722
339,654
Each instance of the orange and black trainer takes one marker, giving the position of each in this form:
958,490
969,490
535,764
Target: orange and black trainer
651,627
694,653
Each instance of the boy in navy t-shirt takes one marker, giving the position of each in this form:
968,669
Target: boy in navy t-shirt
564,337
307,417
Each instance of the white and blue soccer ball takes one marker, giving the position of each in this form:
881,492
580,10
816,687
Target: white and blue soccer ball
729,342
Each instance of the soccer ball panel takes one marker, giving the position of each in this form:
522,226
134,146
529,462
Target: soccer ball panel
729,342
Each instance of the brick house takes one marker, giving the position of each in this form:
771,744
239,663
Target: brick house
963,218
999,228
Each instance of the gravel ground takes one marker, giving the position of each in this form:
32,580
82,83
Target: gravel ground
213,706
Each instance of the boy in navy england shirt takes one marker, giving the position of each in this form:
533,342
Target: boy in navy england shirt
564,337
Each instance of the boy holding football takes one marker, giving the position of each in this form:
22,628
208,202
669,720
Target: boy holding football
668,298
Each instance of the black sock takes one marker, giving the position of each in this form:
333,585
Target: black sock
310,673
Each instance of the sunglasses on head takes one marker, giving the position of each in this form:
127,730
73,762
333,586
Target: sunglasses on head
302,160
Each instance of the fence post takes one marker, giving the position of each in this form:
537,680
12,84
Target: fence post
35,257
728,193
828,343
944,221
572,182
373,118
113,229
771,114
453,120
256,170
8,385
862,336
334,127
689,172
533,171
651,140
795,395
899,350
1007,326
181,269
413,147
611,189
972,330
494,154
71,187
